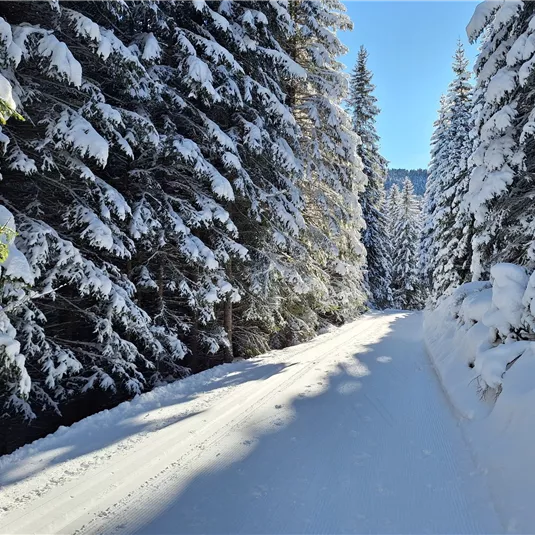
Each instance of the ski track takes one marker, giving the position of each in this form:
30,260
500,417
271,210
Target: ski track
349,433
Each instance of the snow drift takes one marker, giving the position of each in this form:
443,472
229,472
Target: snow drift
480,339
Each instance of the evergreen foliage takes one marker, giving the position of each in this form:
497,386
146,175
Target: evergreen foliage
183,189
364,109
445,249
501,161
418,177
478,208
406,228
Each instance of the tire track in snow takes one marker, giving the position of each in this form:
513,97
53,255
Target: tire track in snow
377,453
140,504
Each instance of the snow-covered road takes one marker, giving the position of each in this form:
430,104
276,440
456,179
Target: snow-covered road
350,433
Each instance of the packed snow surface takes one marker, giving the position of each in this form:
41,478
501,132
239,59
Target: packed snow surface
350,433
487,373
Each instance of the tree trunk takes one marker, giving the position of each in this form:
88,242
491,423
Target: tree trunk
227,320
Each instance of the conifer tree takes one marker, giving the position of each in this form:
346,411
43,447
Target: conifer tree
447,225
454,225
332,169
184,187
406,284
502,158
268,206
233,111
432,194
392,210
374,237
72,219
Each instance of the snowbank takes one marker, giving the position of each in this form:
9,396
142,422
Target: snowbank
480,341
115,417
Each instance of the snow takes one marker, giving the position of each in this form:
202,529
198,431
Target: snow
349,433
475,305
488,376
491,362
481,17
84,26
61,59
18,161
109,44
95,231
509,284
16,266
499,122
503,82
508,10
74,131
200,72
11,50
502,11
190,151
151,49
525,71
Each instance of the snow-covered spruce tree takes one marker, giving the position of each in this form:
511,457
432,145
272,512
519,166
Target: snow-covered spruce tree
332,169
15,272
154,182
406,282
502,165
71,217
437,168
15,277
274,278
374,237
251,140
448,228
183,195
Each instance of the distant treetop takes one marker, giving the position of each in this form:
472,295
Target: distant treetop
418,177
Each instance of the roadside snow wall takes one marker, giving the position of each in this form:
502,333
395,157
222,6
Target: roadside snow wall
481,340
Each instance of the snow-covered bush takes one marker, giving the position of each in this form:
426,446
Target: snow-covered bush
490,323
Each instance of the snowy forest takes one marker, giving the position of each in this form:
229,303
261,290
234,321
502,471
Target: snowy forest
418,177
188,183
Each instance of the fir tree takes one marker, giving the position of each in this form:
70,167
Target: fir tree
406,284
374,237
432,194
502,158
71,218
332,175
269,204
180,193
392,210
454,225
447,228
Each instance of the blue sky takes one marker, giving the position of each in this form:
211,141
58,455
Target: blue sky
411,45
